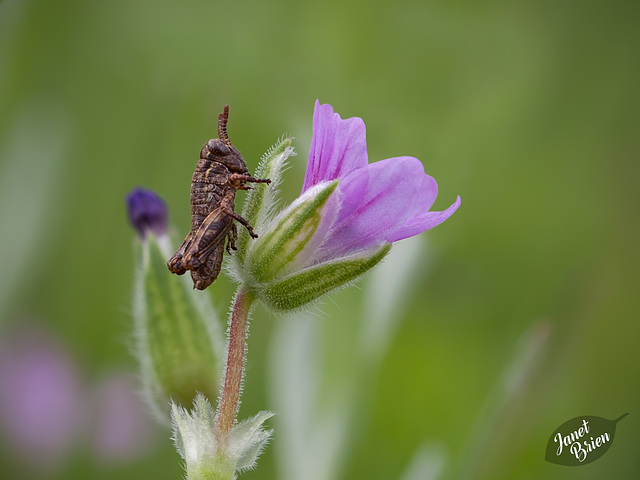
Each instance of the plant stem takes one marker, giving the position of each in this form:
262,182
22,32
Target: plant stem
230,398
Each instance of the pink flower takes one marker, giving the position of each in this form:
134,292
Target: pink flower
344,221
123,429
46,411
40,397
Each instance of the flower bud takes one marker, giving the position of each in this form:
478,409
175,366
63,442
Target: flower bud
178,340
147,212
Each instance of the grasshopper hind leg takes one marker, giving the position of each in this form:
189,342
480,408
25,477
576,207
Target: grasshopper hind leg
205,275
175,263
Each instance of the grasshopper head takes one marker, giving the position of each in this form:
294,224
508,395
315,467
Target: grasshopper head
224,153
221,150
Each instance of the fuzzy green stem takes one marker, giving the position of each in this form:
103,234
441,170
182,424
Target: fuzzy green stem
230,398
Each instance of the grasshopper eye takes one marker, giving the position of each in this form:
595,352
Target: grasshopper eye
220,149
217,148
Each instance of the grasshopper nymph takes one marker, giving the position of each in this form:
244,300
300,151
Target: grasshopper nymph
219,173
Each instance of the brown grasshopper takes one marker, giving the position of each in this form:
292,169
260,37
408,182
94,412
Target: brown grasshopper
219,173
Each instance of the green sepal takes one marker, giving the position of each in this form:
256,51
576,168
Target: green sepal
194,438
248,439
208,457
274,253
260,203
178,342
310,284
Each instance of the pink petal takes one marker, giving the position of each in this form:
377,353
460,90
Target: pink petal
338,146
424,222
377,201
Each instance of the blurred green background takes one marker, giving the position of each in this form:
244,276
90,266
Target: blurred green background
528,110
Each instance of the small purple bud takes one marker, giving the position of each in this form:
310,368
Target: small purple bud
147,211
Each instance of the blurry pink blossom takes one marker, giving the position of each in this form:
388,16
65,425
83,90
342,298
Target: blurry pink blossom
46,409
40,397
123,429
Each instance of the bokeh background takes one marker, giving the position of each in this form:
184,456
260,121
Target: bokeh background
528,110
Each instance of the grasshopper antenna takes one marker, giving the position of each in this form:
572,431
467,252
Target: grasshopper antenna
222,125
